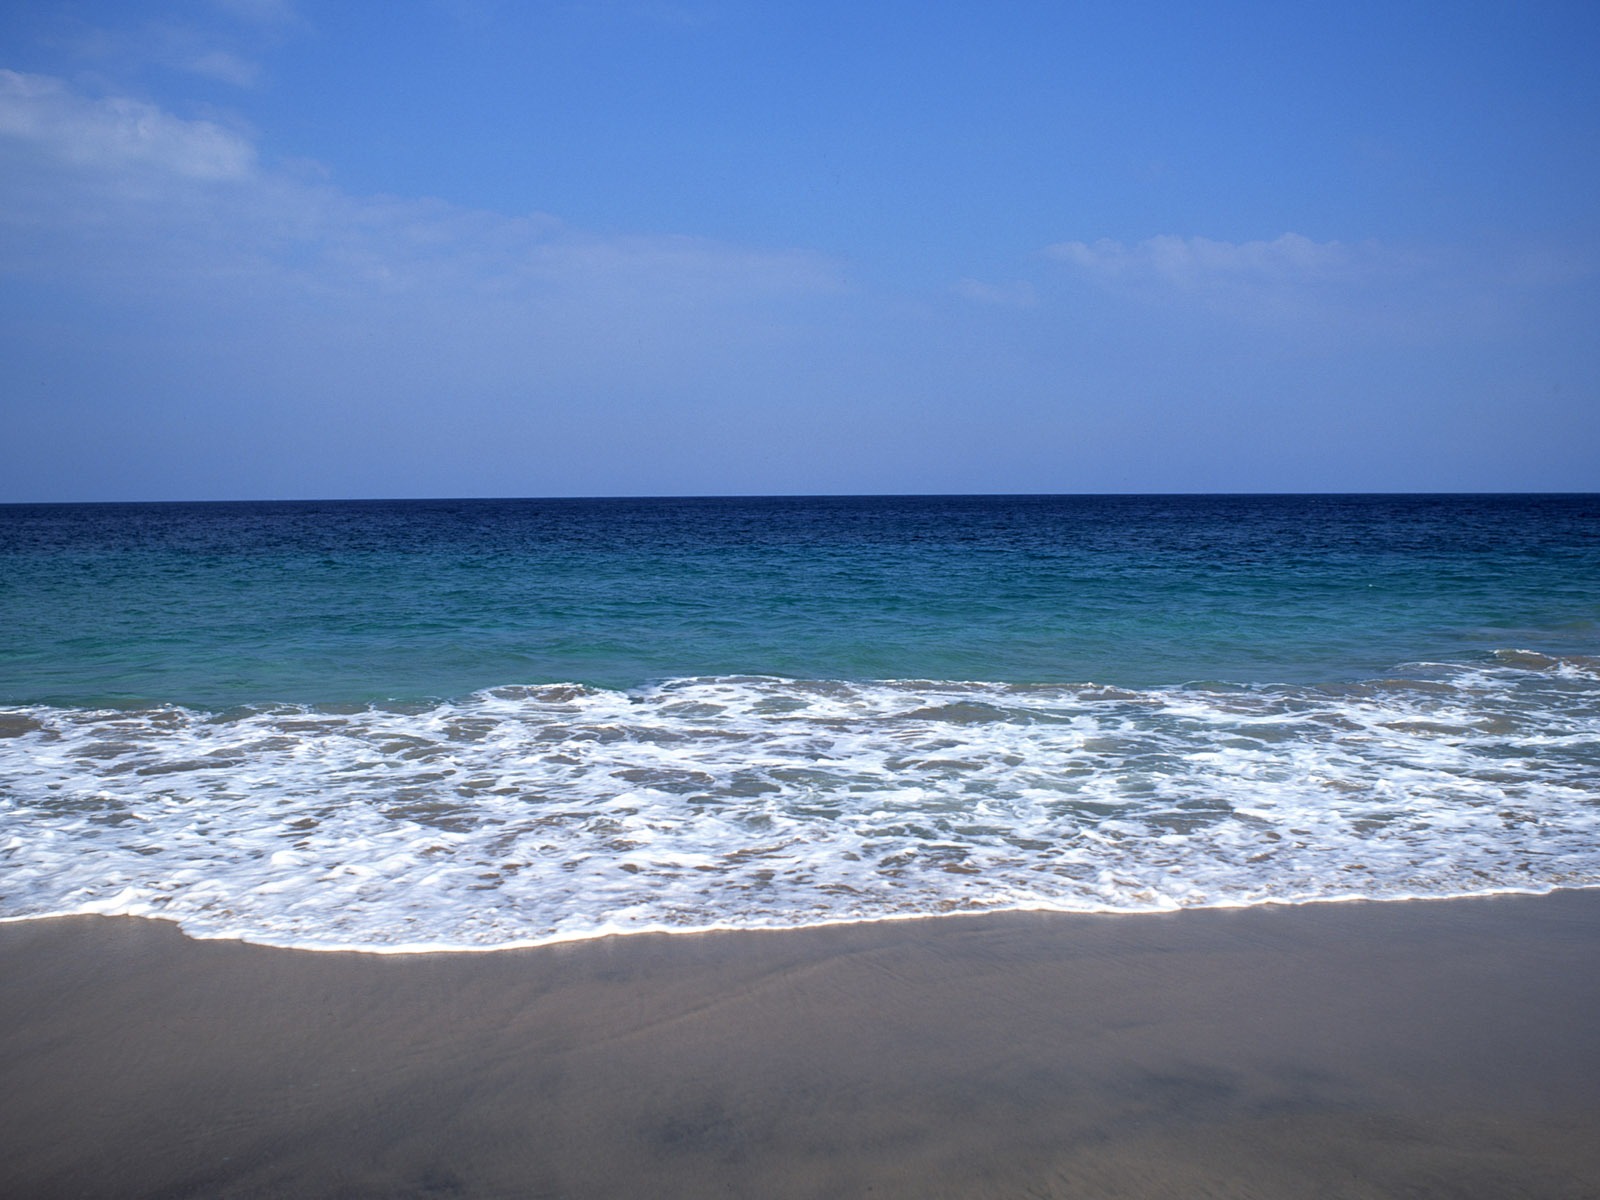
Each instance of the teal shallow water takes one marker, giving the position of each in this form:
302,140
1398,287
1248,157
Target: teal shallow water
484,723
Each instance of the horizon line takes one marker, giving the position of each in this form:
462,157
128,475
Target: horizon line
691,496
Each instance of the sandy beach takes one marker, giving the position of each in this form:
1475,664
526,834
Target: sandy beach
1446,1048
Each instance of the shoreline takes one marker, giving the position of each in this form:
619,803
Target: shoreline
1331,1048
606,933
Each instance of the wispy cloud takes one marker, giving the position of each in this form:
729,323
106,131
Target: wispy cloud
225,45
1288,282
1198,262
1324,290
140,203
117,133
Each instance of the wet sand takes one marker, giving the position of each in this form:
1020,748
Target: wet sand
1405,1049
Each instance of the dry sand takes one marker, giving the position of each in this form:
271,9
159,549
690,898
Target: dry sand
1404,1049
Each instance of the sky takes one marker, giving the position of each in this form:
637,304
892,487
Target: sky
263,249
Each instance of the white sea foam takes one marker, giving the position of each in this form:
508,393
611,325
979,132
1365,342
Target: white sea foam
522,815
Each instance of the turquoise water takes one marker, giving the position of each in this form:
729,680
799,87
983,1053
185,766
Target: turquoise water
482,723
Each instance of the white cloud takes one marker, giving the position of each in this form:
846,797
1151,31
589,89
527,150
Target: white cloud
117,133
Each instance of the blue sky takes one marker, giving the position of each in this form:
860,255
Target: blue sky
283,248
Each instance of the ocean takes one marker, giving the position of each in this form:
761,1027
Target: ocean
411,725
